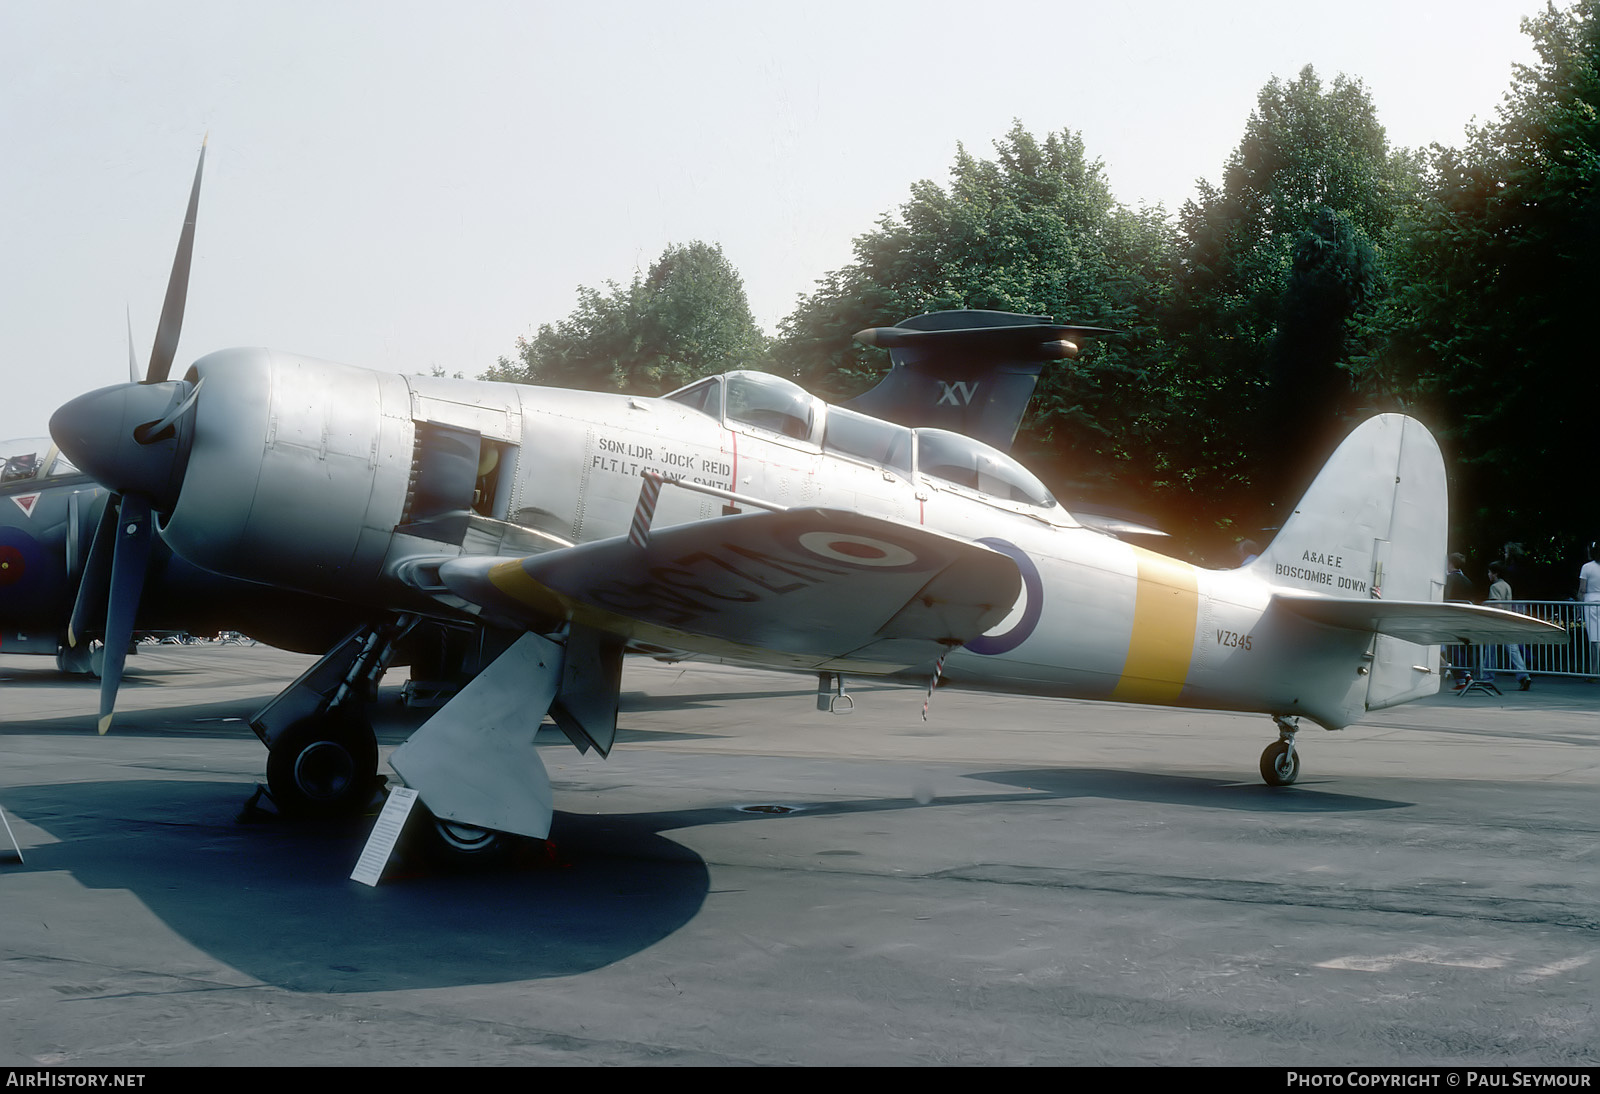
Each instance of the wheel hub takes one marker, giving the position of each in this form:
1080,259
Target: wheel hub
464,837
324,771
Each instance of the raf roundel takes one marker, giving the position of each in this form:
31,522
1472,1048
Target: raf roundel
1024,615
18,553
856,550
12,565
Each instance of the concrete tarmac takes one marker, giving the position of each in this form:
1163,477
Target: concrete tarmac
749,881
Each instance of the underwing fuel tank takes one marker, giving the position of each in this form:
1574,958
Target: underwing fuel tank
298,471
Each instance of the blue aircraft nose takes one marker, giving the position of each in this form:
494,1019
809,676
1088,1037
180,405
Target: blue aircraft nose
133,438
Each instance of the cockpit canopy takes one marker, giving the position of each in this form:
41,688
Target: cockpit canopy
32,458
958,458
771,404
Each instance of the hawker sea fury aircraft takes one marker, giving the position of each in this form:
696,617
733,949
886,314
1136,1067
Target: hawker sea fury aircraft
743,519
740,519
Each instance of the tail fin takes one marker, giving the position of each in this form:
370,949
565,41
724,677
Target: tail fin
1373,522
971,372
1373,525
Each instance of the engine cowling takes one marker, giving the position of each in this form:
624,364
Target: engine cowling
297,472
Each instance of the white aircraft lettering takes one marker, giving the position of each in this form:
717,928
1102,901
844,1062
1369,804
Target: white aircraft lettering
957,393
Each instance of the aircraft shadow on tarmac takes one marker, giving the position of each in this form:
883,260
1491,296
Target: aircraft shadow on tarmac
1189,790
200,720
227,718
274,901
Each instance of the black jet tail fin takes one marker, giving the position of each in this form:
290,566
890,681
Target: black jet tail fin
971,372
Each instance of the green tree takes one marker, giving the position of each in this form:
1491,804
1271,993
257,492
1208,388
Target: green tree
1490,335
685,318
1281,273
1035,230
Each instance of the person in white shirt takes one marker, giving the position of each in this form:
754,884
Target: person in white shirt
1589,593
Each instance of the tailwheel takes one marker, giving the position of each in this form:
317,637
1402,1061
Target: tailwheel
1280,764
323,765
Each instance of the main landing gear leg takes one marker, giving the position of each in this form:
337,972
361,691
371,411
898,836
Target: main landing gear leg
322,757
480,782
1280,763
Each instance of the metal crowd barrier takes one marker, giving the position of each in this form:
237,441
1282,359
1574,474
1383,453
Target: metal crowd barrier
1573,657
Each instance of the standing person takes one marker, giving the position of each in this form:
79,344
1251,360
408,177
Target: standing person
1589,593
1458,587
1500,589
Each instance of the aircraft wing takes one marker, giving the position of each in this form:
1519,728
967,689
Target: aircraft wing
1426,622
802,588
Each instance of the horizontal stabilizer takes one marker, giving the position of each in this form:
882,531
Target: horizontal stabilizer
1425,622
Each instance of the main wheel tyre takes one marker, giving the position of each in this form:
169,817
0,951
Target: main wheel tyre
457,846
73,659
1280,765
323,765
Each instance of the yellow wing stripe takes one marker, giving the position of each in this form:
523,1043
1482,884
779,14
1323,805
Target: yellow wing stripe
1165,608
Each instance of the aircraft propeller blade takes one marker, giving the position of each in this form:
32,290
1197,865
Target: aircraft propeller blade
134,439
133,361
90,605
135,527
171,325
120,436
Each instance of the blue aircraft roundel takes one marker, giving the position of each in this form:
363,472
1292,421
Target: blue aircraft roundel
1032,604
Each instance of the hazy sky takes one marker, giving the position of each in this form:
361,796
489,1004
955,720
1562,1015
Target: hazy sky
403,185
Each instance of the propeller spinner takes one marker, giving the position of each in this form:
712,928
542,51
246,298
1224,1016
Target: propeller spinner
133,438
